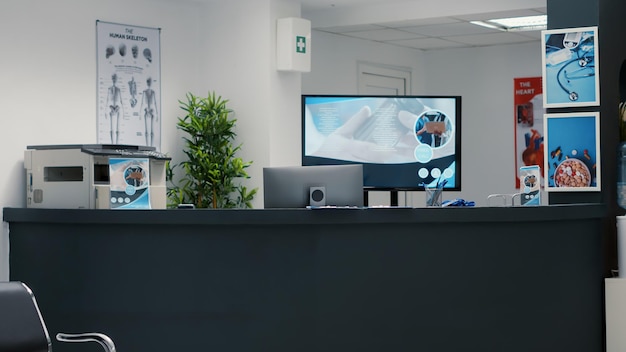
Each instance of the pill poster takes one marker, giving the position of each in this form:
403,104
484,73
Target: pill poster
572,152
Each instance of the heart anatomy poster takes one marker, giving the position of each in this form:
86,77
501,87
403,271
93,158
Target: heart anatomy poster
528,115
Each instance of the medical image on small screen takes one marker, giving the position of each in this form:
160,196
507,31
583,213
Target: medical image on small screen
404,142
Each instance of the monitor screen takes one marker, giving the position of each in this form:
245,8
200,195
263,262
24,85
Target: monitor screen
403,142
291,186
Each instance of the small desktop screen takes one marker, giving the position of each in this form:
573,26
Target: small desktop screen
291,186
403,142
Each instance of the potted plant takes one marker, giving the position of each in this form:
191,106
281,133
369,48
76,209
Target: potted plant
211,168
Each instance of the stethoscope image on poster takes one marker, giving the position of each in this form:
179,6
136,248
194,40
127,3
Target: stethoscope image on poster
570,73
129,183
572,152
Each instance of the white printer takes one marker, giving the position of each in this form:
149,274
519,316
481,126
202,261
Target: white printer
77,176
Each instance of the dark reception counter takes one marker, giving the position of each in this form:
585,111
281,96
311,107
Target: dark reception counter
426,279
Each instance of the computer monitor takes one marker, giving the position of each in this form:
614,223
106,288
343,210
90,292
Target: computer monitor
403,142
292,186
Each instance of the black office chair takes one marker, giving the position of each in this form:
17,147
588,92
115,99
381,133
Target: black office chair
22,328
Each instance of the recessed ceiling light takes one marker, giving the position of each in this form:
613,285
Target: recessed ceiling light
528,23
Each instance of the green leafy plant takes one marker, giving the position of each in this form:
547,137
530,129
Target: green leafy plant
211,168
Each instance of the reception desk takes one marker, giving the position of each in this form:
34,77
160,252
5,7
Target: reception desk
432,279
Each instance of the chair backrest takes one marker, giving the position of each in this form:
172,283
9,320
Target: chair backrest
22,328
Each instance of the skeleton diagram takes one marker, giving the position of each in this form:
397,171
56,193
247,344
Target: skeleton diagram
114,104
132,88
149,109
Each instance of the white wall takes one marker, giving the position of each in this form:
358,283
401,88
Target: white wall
241,58
48,70
482,76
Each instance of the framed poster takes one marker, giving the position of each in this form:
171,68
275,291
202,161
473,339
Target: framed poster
570,75
128,85
572,152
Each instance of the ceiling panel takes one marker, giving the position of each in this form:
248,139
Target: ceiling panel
490,39
444,30
420,22
383,35
426,33
503,14
428,43
355,28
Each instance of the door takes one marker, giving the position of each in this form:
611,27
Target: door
384,80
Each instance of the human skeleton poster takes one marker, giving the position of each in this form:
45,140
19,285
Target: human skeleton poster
128,85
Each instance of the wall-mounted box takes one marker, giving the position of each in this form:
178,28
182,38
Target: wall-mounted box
293,44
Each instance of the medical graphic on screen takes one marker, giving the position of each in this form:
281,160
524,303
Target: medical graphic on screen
403,142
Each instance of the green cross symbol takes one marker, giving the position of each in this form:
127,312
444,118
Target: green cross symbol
301,44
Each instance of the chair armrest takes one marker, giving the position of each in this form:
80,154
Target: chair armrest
102,339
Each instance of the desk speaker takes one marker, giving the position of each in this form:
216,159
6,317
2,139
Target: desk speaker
317,196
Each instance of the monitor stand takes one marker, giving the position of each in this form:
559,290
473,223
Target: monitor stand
393,198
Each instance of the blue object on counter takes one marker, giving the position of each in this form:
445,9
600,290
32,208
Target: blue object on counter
457,203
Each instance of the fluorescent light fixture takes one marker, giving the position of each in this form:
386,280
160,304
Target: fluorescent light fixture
528,23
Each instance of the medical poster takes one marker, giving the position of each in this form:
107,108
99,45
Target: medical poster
530,191
528,114
570,73
130,183
572,152
128,85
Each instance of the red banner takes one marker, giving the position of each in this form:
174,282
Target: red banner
528,115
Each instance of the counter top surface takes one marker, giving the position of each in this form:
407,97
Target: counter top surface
307,216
